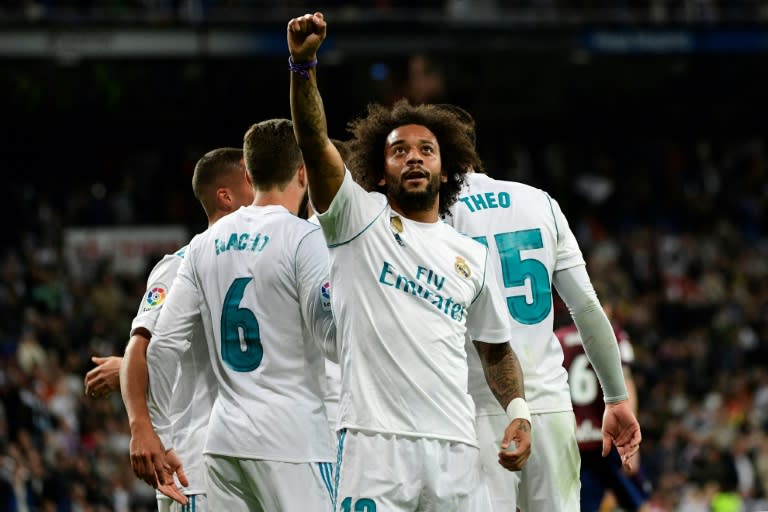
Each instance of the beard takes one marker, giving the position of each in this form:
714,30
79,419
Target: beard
415,201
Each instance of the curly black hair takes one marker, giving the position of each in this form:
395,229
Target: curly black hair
369,135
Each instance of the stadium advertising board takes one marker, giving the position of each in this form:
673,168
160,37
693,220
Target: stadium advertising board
127,249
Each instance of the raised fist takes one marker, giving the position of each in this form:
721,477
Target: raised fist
305,35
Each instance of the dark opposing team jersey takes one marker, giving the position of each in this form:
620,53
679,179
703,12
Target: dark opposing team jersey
586,394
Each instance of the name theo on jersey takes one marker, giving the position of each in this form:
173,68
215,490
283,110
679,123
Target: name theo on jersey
477,202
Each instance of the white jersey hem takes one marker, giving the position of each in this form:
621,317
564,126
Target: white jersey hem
272,458
420,435
501,411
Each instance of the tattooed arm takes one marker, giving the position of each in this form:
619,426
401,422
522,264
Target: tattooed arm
325,168
505,379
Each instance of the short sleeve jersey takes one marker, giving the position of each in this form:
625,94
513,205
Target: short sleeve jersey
332,370
194,382
251,278
586,394
529,240
405,294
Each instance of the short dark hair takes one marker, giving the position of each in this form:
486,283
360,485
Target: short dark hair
272,154
457,150
211,171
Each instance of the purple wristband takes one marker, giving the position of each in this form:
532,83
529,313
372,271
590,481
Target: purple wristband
301,69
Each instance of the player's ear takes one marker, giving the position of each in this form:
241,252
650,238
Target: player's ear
223,199
443,177
301,175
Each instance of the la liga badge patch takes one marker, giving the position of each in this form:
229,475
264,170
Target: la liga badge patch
155,296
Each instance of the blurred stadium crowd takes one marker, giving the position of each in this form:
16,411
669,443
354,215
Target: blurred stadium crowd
675,239
196,11
675,232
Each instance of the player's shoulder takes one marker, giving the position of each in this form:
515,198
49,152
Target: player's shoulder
170,261
481,181
177,255
480,189
301,227
196,241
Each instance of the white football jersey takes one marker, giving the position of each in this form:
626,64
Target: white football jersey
404,295
194,385
332,376
256,280
529,239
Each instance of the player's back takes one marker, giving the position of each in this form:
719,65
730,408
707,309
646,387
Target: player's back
194,394
529,239
248,268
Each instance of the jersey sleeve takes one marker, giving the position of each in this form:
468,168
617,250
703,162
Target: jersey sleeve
158,286
351,211
315,292
170,339
597,334
487,318
568,251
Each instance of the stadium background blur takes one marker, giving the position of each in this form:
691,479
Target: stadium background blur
646,120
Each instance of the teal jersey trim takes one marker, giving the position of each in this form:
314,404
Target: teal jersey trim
331,246
554,218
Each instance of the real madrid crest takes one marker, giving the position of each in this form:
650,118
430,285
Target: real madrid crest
396,223
462,267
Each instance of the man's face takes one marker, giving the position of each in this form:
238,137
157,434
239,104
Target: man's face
412,168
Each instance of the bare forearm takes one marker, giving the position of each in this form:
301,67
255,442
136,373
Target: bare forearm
308,113
325,169
502,371
134,380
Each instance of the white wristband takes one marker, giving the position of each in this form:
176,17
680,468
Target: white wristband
518,408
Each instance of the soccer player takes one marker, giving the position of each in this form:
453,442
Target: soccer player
222,185
533,248
255,282
599,474
406,288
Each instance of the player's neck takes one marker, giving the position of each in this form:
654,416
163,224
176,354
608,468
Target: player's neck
276,198
426,216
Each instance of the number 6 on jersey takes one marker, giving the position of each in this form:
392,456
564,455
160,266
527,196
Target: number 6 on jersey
245,355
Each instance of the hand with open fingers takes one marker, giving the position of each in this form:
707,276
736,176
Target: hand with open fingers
148,457
620,428
171,490
174,463
305,35
519,432
104,378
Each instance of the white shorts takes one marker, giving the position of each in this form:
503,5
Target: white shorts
550,479
247,485
196,503
389,473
